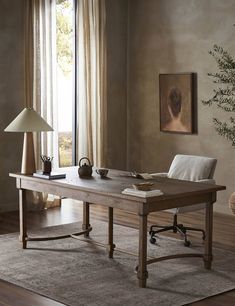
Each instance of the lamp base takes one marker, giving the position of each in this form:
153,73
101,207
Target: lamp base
28,165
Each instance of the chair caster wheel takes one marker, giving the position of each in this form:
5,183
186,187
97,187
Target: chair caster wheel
187,243
152,240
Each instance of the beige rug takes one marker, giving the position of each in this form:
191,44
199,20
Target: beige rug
77,273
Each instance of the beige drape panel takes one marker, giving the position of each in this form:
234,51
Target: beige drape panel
28,54
91,85
40,61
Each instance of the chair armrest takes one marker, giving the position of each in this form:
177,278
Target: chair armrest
206,181
163,174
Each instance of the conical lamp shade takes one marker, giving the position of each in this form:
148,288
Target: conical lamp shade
28,121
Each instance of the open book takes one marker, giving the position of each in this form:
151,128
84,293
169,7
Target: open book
141,193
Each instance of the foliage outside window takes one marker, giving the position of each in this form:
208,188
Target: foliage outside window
64,36
64,76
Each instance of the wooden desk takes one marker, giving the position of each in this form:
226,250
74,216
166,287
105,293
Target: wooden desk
107,192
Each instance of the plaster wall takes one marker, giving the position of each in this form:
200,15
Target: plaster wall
171,36
11,97
116,83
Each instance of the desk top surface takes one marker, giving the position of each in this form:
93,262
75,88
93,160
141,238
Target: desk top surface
118,180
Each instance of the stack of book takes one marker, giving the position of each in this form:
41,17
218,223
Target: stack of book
142,193
50,176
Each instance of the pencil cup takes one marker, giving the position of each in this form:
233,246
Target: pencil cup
46,167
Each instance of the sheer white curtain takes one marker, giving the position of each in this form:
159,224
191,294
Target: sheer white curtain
40,83
91,85
44,78
40,64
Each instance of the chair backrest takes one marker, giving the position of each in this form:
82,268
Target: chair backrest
192,168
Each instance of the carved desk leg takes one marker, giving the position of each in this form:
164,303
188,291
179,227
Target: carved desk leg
111,245
86,218
209,231
142,268
23,217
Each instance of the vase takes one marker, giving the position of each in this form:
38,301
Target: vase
232,202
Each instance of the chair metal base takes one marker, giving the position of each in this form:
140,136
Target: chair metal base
176,228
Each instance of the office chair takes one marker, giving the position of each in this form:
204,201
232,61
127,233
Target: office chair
191,168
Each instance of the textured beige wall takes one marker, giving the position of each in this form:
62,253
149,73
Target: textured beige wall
170,36
117,82
11,97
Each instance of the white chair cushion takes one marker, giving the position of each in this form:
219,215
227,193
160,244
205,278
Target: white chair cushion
191,168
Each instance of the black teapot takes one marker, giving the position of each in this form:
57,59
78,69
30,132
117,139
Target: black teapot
85,170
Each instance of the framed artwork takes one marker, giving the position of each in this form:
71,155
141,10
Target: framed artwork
177,103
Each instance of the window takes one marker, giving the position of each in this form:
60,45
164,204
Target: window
65,93
59,84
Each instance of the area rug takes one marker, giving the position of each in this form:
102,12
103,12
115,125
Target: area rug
77,273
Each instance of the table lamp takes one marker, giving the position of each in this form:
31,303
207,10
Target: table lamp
28,121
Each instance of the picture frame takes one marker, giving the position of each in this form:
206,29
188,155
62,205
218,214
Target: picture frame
177,99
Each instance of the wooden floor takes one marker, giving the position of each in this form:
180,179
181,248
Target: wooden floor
11,295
